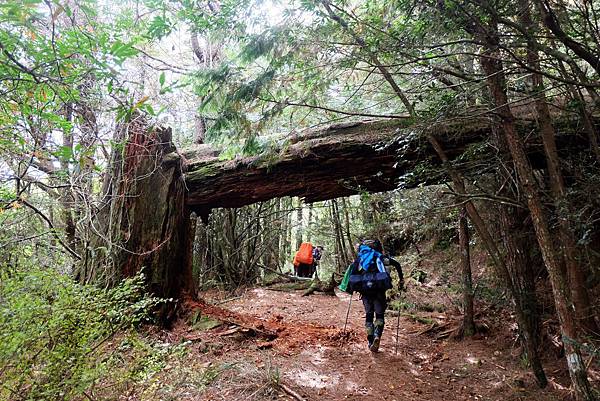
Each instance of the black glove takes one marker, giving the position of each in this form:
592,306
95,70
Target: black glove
401,285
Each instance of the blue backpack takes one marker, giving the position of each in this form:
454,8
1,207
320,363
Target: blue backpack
369,274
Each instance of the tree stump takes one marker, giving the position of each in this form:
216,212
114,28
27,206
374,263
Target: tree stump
143,221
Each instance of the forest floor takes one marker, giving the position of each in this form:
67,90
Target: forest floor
313,358
280,345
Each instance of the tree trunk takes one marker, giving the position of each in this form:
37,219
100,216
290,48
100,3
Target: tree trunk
352,250
299,224
309,222
502,269
517,242
286,237
66,197
568,244
143,222
339,233
366,211
339,261
495,78
465,261
192,235
199,128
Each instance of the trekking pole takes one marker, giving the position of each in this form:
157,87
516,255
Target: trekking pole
348,312
398,328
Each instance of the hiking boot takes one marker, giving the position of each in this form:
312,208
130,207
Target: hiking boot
374,347
378,327
370,341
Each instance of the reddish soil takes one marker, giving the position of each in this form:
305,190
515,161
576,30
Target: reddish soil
303,338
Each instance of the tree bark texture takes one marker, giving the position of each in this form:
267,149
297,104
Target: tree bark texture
344,160
143,222
299,212
352,250
496,82
568,244
518,242
465,262
501,265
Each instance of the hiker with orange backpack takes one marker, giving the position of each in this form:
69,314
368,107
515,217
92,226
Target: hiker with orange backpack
303,260
369,276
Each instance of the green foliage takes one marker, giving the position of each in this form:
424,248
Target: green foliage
53,56
421,214
153,369
52,331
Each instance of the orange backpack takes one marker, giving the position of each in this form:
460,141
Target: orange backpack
304,254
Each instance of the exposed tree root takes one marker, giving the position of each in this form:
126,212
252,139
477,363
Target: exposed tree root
458,333
291,392
327,288
231,317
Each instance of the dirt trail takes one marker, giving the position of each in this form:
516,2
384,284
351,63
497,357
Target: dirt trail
319,362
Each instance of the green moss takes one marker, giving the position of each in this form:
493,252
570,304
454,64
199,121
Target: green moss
402,305
418,319
431,307
303,285
210,170
268,159
204,323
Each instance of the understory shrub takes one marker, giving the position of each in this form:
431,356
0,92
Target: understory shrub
53,332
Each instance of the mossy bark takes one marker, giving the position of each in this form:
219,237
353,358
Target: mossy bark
143,222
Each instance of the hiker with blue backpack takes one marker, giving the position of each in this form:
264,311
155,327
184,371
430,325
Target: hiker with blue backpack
369,276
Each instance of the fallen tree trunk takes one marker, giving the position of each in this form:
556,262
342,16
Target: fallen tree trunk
288,277
339,161
227,316
342,160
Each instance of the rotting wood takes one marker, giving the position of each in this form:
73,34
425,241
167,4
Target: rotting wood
372,156
338,161
142,221
289,277
327,288
289,286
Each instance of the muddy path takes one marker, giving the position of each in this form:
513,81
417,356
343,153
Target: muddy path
314,359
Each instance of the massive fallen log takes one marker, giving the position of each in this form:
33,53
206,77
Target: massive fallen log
338,161
151,189
346,159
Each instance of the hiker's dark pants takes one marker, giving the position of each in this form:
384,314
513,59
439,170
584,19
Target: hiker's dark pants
375,304
304,270
313,268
